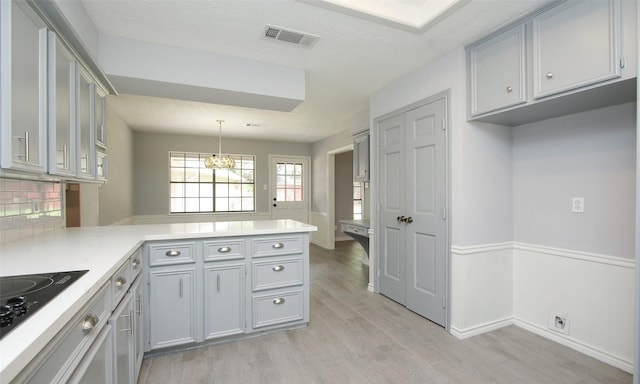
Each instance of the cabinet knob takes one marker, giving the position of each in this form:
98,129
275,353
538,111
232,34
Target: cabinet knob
549,75
173,253
89,322
135,262
224,249
121,281
509,89
278,245
278,268
278,301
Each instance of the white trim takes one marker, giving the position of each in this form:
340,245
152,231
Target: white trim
560,252
588,350
578,255
480,329
331,191
321,236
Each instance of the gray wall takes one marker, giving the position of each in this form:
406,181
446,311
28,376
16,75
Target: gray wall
151,168
590,155
116,196
343,186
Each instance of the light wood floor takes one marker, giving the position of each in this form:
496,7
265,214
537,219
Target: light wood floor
355,336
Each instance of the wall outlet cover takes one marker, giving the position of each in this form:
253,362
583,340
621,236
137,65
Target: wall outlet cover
558,323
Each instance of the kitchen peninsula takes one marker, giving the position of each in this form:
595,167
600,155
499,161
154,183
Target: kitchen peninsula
259,251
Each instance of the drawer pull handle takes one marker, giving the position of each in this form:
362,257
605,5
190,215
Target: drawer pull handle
509,89
89,322
278,301
278,268
120,282
224,249
278,245
135,262
173,253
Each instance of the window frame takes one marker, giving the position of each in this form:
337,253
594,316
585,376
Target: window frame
240,185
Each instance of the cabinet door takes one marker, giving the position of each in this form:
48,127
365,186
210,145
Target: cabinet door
84,125
574,45
497,75
99,118
172,307
96,368
138,326
361,157
23,74
62,137
224,300
122,322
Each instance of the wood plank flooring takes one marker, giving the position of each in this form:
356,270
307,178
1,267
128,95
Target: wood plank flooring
355,336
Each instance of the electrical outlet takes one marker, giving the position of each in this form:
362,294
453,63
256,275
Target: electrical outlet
559,323
577,205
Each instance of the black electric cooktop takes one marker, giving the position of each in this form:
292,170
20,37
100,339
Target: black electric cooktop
22,296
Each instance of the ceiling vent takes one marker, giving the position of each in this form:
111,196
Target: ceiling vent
301,39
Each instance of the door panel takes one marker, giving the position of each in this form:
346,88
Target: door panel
392,244
426,198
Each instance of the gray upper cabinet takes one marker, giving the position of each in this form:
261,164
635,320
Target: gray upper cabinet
497,72
23,99
361,157
565,57
574,45
62,138
84,125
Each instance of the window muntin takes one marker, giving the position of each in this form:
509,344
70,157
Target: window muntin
193,188
289,185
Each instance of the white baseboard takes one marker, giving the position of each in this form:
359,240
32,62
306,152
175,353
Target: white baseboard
480,329
588,350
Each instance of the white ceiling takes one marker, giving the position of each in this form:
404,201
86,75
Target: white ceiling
355,56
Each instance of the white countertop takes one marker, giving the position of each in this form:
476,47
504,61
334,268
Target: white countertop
101,250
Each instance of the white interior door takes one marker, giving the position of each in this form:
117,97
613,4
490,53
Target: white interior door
289,187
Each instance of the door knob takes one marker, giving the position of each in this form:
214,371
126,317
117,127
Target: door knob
275,205
401,219
409,220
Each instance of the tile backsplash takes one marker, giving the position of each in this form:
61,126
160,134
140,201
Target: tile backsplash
29,207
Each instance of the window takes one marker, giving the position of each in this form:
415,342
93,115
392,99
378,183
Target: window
357,200
195,188
289,182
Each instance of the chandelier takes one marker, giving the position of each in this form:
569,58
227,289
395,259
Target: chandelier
219,162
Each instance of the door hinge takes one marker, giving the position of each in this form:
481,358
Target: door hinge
444,213
444,124
444,302
622,63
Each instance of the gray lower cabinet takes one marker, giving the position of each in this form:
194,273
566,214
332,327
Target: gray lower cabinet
138,326
96,366
81,350
223,287
224,299
172,306
123,341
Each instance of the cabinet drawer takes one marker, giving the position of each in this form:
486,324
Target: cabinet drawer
57,361
223,250
172,253
274,246
277,274
278,308
120,282
355,229
136,263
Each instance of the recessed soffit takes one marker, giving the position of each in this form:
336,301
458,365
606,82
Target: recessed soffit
412,15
